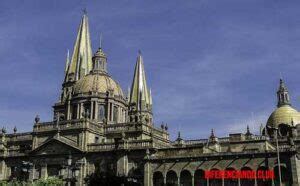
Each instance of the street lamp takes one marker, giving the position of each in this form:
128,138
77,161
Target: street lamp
277,148
71,170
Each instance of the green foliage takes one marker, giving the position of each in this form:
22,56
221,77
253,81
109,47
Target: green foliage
51,181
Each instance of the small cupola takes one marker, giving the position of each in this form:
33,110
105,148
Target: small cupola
283,95
99,61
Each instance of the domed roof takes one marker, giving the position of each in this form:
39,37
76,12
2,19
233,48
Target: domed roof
97,82
284,115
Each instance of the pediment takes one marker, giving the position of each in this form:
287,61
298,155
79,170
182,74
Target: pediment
55,146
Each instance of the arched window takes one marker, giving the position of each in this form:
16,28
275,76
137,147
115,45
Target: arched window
101,112
262,180
285,176
158,179
215,181
74,112
116,114
230,181
172,179
199,178
185,178
245,181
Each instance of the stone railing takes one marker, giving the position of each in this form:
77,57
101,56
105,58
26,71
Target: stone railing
141,144
70,124
19,136
220,140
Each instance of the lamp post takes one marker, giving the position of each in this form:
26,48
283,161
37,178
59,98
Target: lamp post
71,171
278,155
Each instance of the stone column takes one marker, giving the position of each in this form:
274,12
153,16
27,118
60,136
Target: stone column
193,182
44,173
68,111
32,173
2,170
122,165
78,112
92,110
148,174
96,110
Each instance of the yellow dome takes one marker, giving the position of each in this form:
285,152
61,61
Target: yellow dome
284,115
97,82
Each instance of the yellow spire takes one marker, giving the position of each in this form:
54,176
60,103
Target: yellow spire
81,62
67,61
139,92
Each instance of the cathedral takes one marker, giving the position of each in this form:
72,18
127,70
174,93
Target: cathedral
96,129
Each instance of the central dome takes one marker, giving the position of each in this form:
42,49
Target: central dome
97,82
284,115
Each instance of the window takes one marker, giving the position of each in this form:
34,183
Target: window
96,139
74,112
101,112
116,113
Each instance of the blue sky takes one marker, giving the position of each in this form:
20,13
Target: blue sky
210,63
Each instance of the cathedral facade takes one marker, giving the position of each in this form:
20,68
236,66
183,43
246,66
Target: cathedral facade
98,129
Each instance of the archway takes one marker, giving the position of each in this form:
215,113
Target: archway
185,178
172,179
158,179
262,180
247,181
230,181
199,179
215,181
285,176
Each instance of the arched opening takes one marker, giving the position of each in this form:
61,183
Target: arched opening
263,179
199,178
185,178
158,179
283,130
172,179
248,181
215,181
285,176
230,180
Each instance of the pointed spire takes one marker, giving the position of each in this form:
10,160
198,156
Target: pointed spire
179,136
81,62
261,128
248,131
212,134
67,61
282,95
150,97
139,91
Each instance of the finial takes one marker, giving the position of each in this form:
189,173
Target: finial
179,136
84,11
212,134
37,119
166,126
140,52
248,130
15,129
100,44
162,125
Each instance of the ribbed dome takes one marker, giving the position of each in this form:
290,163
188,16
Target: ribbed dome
97,82
284,115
